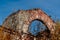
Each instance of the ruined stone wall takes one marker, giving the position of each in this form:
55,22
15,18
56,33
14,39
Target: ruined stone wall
20,21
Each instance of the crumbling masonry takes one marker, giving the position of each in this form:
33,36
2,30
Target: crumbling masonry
20,21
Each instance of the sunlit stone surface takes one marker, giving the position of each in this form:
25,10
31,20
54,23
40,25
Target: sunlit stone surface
20,21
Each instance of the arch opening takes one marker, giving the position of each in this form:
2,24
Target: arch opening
37,26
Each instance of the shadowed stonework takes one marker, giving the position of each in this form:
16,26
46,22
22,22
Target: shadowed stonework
20,21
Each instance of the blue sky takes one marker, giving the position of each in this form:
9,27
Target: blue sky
35,27
50,7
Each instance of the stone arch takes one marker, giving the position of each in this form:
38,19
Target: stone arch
23,18
40,15
37,26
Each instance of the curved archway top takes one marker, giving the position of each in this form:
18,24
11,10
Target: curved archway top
40,15
21,19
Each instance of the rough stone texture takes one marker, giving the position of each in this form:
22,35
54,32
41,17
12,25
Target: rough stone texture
20,21
10,34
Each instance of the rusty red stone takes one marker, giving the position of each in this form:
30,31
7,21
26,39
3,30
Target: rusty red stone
40,15
20,21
